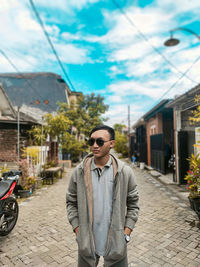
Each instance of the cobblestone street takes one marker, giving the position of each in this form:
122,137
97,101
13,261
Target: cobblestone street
163,236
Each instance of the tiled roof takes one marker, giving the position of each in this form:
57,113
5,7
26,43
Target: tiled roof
40,90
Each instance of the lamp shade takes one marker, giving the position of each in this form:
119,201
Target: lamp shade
171,42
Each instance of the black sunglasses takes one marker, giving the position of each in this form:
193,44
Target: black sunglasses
99,141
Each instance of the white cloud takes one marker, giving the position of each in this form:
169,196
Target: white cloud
67,6
130,88
73,54
70,37
119,114
20,31
179,6
149,75
7,5
130,52
25,23
115,70
144,66
114,99
141,24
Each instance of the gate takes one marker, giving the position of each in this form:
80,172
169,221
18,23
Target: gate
158,153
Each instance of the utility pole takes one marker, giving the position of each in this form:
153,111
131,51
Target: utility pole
18,137
129,143
41,148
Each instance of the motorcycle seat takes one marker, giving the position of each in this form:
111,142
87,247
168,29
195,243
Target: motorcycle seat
4,187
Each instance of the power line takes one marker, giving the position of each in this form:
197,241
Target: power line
147,40
50,43
174,84
15,53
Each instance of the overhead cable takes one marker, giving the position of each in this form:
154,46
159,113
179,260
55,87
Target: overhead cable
50,43
174,84
147,40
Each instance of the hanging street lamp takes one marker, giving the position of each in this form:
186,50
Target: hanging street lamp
173,41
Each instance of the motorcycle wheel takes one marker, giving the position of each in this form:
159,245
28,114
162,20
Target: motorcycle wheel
9,215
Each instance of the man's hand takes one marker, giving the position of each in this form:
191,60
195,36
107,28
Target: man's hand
127,231
76,230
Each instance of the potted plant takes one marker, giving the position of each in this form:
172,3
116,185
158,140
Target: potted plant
26,183
193,182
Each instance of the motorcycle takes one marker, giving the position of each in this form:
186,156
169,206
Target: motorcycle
9,208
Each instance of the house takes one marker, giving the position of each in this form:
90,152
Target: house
27,97
13,129
154,137
139,141
35,93
185,134
159,131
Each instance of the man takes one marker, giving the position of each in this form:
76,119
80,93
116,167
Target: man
102,203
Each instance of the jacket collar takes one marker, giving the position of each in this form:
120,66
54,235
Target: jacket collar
119,163
94,166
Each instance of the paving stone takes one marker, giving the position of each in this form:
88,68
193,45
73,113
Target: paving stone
163,236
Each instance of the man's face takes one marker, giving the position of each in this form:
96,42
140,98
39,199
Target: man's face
101,151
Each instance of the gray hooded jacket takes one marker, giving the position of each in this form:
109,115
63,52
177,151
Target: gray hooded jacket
124,213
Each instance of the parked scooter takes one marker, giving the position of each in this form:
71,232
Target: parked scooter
8,205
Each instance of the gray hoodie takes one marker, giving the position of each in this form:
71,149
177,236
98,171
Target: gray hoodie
124,213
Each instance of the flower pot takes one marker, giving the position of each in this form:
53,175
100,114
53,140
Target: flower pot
23,193
191,203
195,204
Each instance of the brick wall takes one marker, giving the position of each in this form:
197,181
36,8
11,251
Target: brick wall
8,145
154,126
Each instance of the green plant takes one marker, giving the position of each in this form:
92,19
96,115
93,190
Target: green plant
193,176
30,181
50,164
3,169
33,153
121,144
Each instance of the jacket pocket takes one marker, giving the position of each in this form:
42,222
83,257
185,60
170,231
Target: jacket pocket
84,240
117,246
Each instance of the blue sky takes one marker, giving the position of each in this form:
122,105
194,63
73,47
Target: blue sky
118,55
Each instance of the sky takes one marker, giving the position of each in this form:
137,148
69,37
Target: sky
114,48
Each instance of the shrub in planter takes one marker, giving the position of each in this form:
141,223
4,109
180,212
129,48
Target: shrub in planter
193,183
193,177
26,182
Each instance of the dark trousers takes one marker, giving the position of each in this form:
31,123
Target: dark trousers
121,263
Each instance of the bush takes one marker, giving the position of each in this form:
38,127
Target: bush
121,144
193,177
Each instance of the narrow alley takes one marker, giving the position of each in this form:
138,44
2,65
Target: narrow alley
162,237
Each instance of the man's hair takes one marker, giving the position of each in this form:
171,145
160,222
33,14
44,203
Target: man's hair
104,127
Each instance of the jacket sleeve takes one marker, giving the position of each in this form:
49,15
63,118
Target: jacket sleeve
132,201
71,201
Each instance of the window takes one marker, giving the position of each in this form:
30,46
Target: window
153,130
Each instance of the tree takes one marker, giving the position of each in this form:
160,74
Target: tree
196,113
121,144
118,127
195,119
37,135
74,147
86,113
55,126
71,121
